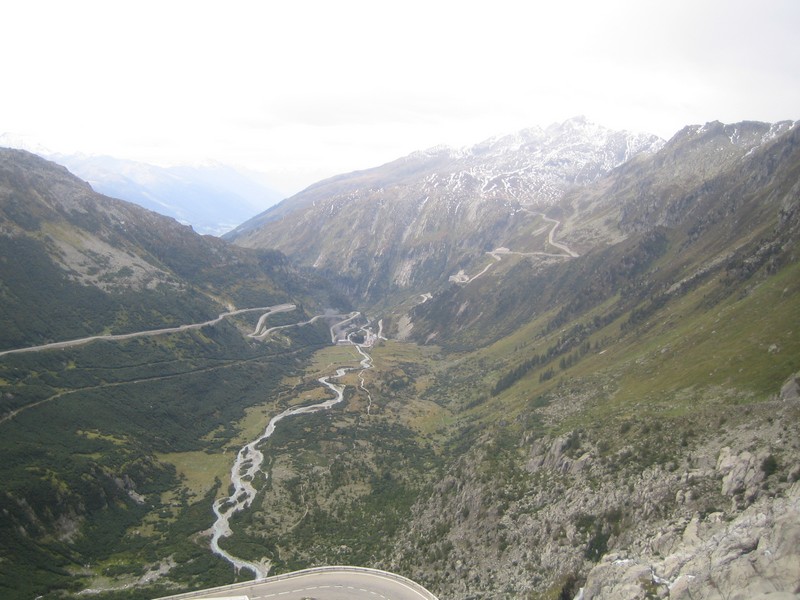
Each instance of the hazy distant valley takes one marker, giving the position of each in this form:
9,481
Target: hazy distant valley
212,198
572,363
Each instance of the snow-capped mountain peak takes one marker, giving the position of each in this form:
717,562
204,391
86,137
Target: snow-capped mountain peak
438,205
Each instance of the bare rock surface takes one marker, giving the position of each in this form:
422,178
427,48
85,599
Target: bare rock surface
756,554
719,518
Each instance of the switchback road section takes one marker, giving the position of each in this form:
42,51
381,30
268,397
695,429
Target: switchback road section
323,583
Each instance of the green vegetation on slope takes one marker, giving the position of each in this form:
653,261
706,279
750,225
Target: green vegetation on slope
83,484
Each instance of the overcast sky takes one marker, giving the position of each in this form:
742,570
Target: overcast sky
304,90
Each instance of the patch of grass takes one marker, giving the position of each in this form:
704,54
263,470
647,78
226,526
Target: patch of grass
198,470
96,435
745,343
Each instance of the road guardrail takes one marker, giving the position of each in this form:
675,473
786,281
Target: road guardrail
340,569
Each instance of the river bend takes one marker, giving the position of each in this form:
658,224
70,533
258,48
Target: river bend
250,459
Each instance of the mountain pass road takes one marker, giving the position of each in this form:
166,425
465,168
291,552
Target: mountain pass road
325,583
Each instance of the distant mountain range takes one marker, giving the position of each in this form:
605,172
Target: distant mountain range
212,198
412,223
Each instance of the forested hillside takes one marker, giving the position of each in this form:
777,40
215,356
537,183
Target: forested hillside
95,436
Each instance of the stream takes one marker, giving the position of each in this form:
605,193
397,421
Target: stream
250,459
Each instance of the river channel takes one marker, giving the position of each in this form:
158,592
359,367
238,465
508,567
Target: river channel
249,459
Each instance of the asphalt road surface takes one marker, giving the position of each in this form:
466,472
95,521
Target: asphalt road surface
329,583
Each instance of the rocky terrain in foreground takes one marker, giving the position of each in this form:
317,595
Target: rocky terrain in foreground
719,518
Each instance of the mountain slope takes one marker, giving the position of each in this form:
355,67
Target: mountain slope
408,225
629,417
92,264
92,433
658,224
619,411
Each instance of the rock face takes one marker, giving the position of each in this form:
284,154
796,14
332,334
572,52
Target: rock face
719,518
790,392
740,473
755,554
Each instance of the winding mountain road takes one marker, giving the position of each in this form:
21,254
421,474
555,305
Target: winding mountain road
551,238
278,308
151,332
324,583
497,254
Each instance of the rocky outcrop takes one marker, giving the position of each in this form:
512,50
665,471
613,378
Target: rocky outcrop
719,518
741,473
756,554
790,391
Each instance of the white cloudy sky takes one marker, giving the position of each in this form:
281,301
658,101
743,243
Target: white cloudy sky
306,89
